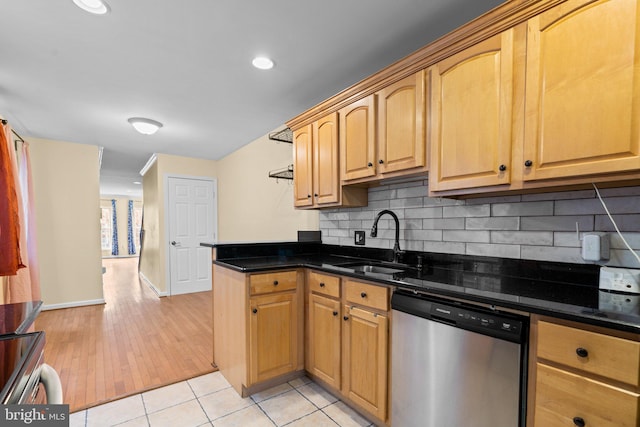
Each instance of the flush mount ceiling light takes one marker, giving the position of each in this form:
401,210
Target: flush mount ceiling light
145,126
97,7
262,63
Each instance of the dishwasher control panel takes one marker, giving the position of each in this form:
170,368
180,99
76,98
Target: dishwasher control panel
476,319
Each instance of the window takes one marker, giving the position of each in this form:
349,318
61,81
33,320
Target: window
105,229
137,226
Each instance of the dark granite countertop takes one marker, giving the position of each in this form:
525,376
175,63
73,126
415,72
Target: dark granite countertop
563,290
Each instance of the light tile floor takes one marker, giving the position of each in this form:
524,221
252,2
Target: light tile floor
209,400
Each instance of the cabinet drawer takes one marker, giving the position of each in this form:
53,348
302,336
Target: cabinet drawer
273,282
562,396
368,295
324,284
612,357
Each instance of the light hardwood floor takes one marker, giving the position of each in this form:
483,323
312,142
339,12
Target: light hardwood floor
134,342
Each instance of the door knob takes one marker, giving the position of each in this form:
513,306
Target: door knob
174,243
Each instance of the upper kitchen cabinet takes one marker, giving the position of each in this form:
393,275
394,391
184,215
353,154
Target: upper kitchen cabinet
583,90
383,135
303,166
401,125
316,167
471,115
358,139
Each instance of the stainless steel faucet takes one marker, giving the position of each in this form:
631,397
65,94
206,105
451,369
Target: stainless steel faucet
374,232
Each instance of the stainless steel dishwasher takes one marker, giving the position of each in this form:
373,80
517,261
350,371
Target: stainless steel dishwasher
455,364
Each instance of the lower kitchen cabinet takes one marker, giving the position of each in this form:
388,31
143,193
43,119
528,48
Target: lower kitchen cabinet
273,336
364,359
323,358
257,327
348,340
584,376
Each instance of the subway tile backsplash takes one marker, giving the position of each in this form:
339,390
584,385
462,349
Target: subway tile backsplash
530,226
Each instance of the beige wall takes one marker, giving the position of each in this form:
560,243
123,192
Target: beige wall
252,206
149,256
66,185
122,216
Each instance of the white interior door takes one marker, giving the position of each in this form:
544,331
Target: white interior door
192,219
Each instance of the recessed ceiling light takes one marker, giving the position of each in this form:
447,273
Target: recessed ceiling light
145,126
97,7
262,62
137,182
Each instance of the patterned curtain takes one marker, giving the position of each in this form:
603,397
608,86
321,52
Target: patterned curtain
114,235
130,241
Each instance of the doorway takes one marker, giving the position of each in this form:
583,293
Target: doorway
191,219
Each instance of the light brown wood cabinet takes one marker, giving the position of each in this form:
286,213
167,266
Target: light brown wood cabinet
471,116
358,139
258,327
547,103
383,135
584,377
365,342
348,339
582,94
316,167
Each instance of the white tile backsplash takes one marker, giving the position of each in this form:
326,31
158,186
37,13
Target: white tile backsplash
530,226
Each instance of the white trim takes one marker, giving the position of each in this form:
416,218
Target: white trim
166,177
73,304
149,163
100,151
151,285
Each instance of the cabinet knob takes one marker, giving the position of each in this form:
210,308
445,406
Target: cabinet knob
381,161
582,352
502,168
254,311
363,294
369,164
346,317
528,163
275,283
335,313
321,284
579,421
308,196
315,194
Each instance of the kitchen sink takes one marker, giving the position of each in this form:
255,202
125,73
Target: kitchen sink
372,268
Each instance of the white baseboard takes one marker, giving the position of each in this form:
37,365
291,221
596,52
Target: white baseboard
72,304
151,285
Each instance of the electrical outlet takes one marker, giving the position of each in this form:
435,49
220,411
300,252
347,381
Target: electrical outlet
620,279
359,237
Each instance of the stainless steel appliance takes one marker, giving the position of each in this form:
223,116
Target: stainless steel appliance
455,364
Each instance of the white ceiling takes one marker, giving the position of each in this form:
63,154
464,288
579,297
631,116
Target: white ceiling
68,75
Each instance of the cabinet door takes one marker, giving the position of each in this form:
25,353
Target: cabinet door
273,336
583,90
401,134
357,139
471,116
324,339
326,176
302,166
364,364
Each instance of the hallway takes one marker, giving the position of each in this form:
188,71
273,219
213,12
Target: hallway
134,342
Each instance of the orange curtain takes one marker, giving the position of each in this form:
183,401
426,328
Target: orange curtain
10,255
24,284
